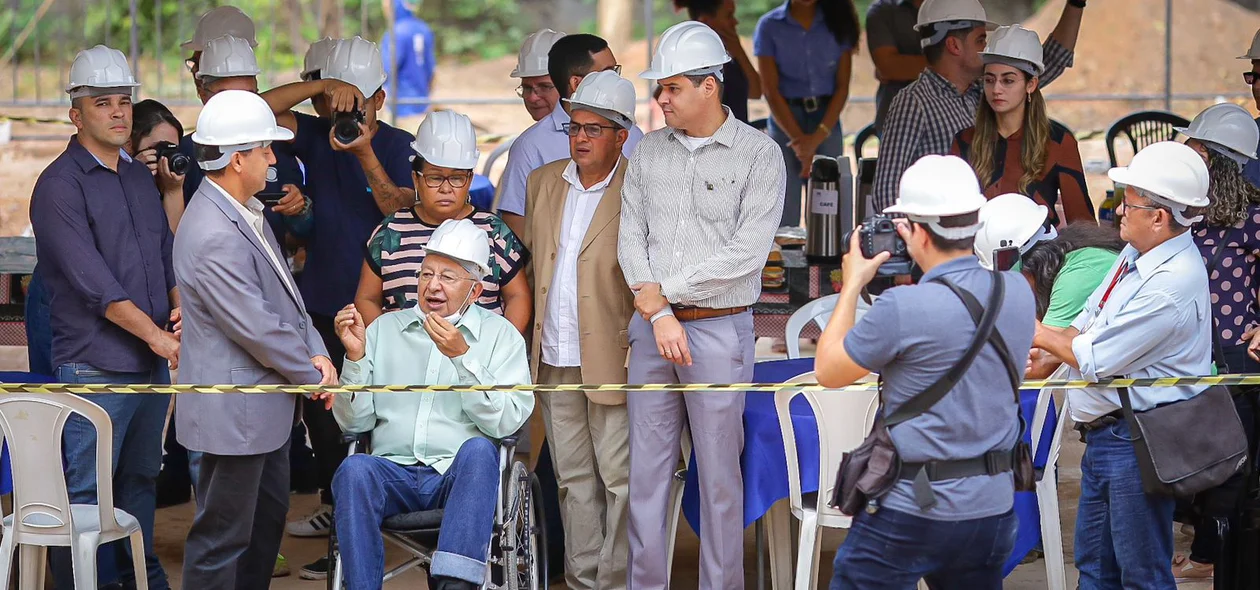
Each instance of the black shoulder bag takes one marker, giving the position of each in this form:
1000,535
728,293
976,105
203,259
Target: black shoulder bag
872,469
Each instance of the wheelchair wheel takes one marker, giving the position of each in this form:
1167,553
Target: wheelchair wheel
524,535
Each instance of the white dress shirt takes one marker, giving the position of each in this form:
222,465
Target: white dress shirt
560,333
252,211
1155,323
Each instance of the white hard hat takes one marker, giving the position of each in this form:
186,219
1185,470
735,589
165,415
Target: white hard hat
939,186
464,242
100,67
317,56
227,57
949,15
1171,171
532,60
1010,220
689,47
224,20
1226,127
1017,47
447,139
606,94
236,120
1253,52
357,62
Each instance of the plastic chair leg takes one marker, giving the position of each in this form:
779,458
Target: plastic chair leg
137,561
33,560
1051,532
807,554
337,573
83,562
779,544
6,560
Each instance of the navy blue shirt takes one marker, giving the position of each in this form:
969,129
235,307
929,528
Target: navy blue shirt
735,90
286,170
102,237
344,208
807,59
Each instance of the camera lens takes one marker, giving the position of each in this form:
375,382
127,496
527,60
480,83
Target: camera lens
345,127
178,162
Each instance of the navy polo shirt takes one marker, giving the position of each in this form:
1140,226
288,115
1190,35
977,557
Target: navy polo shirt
287,170
102,237
344,209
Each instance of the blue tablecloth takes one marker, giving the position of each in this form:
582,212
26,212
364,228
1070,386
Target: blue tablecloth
765,465
6,475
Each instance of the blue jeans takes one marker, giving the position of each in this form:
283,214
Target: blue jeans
1124,536
892,550
370,489
38,327
137,421
832,146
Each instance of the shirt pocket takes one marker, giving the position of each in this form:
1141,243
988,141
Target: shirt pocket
717,198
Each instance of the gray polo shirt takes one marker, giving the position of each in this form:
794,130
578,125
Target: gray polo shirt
912,335
891,23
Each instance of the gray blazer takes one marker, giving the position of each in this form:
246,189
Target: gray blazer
241,327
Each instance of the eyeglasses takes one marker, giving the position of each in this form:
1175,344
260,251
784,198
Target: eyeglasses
592,130
445,278
524,90
456,181
1125,205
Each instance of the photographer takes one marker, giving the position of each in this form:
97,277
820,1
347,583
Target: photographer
352,190
913,336
155,134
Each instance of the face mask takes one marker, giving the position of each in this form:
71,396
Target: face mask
459,314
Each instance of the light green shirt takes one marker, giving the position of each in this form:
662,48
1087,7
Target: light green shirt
1080,274
428,428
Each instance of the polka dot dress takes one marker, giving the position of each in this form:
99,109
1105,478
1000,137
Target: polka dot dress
1233,281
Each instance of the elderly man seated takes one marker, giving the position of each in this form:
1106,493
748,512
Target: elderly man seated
429,450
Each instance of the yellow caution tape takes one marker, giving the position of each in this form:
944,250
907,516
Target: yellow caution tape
18,388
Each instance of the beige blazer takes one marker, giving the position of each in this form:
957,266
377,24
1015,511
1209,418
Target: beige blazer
605,303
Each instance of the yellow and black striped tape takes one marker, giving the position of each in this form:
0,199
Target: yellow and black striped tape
19,388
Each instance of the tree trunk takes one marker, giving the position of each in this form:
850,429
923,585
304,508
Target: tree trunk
615,22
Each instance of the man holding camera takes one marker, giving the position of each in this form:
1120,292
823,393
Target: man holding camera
952,488
352,190
699,207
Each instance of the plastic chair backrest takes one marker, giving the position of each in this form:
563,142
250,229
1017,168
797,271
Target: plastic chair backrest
818,310
844,419
33,425
863,137
1142,129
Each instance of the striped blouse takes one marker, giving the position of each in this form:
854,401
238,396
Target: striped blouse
396,250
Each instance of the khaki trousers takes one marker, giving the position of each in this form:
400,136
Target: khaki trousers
590,448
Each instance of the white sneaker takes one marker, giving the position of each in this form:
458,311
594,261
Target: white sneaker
315,525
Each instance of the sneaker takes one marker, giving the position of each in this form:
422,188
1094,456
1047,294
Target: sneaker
1184,568
282,567
316,570
315,525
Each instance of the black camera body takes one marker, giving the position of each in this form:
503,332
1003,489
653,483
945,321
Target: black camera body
879,234
346,126
177,161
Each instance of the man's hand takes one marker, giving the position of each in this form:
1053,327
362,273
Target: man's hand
1041,364
293,202
671,341
166,345
352,331
359,146
648,299
856,269
160,168
449,340
328,376
177,322
342,97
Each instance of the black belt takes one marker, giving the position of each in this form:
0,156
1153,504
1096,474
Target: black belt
923,474
1099,423
810,103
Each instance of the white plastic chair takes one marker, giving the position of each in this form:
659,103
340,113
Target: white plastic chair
42,514
818,310
844,419
1048,488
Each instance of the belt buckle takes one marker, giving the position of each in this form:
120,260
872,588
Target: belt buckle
810,103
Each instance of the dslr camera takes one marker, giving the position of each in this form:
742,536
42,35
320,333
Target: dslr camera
177,161
879,234
346,125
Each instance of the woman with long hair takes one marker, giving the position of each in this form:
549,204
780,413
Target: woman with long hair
740,79
153,124
804,52
1014,147
1228,237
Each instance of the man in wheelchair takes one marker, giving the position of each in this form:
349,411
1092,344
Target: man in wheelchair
429,450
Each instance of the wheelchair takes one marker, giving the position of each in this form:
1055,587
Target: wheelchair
518,547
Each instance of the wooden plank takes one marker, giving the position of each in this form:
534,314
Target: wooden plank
17,255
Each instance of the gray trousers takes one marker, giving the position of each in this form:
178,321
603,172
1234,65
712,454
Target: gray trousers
591,453
722,351
242,501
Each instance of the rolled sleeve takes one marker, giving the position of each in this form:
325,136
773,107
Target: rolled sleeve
1132,339
64,237
1057,59
874,341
